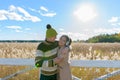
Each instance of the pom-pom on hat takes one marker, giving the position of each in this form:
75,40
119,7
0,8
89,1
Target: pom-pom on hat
50,31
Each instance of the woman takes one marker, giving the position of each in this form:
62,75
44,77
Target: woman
63,57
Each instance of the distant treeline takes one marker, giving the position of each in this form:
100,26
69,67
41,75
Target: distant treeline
96,39
21,41
105,38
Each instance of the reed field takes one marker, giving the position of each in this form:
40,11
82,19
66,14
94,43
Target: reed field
81,51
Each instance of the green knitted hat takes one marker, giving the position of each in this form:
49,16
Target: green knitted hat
50,31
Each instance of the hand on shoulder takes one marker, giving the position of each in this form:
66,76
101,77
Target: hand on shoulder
65,50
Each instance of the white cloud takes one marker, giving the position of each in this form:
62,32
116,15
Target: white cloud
86,34
17,13
61,29
34,10
16,28
113,19
15,16
2,15
12,8
48,14
43,8
119,23
44,12
75,36
27,15
27,29
21,10
106,31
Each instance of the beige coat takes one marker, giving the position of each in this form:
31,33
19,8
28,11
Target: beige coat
64,66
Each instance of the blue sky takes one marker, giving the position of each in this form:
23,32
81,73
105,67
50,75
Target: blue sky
80,19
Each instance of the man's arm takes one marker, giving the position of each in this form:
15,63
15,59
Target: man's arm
39,58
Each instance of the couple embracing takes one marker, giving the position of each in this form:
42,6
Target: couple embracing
52,56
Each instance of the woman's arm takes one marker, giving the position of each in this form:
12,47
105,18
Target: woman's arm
63,54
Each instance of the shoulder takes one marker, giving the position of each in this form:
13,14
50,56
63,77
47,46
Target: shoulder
66,50
45,46
56,42
41,45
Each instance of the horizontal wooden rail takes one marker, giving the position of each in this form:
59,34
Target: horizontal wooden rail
114,73
76,63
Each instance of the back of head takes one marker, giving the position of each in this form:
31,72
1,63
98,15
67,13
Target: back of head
50,31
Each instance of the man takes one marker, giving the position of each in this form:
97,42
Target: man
46,53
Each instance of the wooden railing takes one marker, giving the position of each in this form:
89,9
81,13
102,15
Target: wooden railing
76,63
